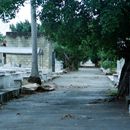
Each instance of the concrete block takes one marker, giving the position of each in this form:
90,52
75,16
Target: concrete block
18,83
6,81
8,94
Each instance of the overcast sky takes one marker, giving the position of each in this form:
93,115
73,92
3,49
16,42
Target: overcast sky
23,14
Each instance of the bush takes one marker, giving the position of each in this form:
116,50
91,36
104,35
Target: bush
109,64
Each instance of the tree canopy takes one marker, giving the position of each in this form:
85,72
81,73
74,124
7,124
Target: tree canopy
76,27
24,27
21,27
114,23
8,8
66,22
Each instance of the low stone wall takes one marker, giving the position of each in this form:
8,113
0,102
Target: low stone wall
9,80
24,40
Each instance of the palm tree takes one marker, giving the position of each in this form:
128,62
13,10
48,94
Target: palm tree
34,70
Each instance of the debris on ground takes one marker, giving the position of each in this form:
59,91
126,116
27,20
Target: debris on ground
68,116
18,113
31,86
34,87
47,87
105,100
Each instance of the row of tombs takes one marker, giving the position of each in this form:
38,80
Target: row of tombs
16,56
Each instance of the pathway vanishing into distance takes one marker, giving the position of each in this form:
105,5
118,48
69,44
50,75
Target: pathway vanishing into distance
80,102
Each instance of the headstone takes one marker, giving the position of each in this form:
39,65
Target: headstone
115,79
6,80
120,64
44,76
58,66
18,83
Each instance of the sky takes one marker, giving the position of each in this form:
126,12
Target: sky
22,15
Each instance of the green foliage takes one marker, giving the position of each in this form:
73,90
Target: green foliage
8,8
24,27
80,29
109,21
89,26
110,28
2,38
115,22
107,59
21,27
66,22
108,64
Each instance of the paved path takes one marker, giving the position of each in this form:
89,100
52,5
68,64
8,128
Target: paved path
77,104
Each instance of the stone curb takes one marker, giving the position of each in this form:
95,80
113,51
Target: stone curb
11,93
8,94
107,75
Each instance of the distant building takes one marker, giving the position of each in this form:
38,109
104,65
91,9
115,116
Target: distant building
19,49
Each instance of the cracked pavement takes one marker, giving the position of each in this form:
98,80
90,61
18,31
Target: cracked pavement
78,103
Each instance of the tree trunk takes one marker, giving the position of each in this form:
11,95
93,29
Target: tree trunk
34,70
72,65
123,86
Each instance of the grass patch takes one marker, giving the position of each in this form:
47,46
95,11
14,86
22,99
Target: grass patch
112,92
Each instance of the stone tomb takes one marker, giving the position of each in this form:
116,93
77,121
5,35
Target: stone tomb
8,80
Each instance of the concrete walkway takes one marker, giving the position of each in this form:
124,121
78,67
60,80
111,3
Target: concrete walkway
80,102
